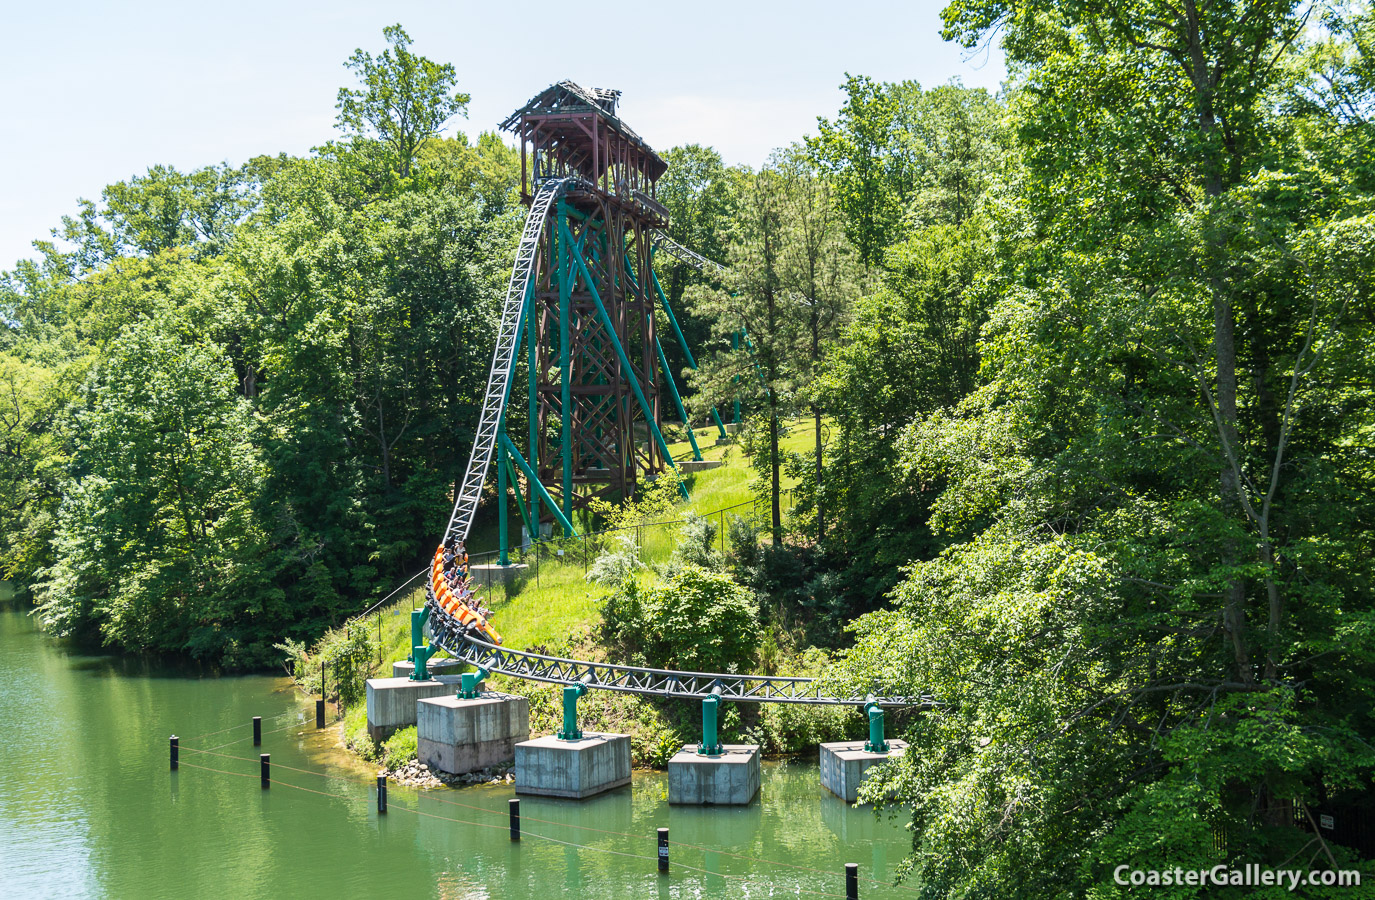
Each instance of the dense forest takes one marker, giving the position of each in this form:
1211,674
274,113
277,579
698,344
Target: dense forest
1086,369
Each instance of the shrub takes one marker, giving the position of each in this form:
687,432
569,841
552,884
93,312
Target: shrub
703,621
693,619
400,748
620,562
696,546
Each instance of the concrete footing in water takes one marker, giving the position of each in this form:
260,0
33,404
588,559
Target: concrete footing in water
731,779
552,767
460,736
844,763
391,701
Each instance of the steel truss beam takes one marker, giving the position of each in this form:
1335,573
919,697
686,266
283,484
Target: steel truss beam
650,682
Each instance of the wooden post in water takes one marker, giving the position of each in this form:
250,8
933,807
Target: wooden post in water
514,806
381,794
320,713
663,849
265,759
852,881
172,747
257,731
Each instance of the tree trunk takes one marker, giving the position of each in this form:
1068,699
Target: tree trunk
773,466
820,516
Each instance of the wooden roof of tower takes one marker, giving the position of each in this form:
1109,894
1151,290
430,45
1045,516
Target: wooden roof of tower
555,120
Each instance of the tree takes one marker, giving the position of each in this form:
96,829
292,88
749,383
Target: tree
903,157
1139,653
754,305
817,274
404,99
700,194
155,541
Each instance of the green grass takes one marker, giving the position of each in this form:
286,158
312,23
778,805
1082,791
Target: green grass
553,605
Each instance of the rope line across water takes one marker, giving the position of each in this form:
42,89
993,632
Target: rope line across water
743,879
527,818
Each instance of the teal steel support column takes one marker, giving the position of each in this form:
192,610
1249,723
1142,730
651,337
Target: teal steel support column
563,242
563,521
418,619
668,376
515,482
711,744
420,652
677,401
469,682
504,552
682,341
532,365
735,345
876,743
625,364
571,693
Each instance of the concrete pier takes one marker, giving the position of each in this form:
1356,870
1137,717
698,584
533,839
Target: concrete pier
689,466
844,763
731,779
391,701
483,575
405,667
459,736
551,767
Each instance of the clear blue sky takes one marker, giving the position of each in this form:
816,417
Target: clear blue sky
97,92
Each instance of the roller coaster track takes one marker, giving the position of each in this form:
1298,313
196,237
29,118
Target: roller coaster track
504,356
683,254
454,636
659,682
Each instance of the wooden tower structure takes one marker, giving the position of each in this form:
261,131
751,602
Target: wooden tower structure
595,393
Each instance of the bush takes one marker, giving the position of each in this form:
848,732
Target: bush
400,748
615,565
696,546
694,619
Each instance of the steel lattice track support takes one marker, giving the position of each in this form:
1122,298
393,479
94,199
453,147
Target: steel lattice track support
650,682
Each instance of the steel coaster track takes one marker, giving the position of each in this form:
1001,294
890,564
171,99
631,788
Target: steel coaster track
453,636
504,356
683,254
653,682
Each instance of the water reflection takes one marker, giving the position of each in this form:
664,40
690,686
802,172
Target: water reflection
88,803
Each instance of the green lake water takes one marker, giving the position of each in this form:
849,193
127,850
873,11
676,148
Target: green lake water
89,808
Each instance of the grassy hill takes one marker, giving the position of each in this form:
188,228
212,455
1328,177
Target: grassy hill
553,600
554,608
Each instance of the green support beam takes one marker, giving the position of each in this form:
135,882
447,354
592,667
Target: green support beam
562,241
520,501
529,473
682,341
571,693
531,345
677,401
668,374
609,326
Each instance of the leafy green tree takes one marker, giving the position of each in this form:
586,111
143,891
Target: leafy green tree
875,173
762,367
155,541
403,99
1140,654
818,274
700,194
903,157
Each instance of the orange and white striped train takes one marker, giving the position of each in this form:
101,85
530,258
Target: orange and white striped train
453,605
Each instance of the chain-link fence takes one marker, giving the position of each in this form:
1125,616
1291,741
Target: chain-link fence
548,565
